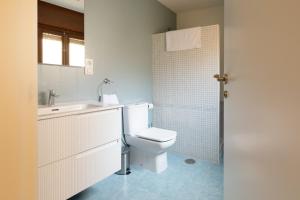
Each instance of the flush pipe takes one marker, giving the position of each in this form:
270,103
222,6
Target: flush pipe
123,132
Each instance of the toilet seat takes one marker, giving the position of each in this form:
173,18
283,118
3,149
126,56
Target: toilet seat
157,135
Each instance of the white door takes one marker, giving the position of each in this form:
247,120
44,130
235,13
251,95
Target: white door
262,134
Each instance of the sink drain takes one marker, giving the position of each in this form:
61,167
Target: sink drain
190,161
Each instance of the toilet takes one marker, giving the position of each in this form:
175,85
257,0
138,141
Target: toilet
148,145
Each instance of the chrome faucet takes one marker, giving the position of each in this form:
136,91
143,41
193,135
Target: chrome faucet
51,99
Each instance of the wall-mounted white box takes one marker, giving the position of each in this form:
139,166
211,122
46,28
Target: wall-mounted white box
89,67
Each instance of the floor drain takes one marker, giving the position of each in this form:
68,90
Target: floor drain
190,161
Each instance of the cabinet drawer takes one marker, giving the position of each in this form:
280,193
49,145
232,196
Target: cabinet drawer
63,179
56,139
96,164
56,181
63,137
95,129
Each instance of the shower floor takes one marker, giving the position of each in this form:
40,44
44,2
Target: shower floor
181,181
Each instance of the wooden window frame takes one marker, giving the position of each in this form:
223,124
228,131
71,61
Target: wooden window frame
64,33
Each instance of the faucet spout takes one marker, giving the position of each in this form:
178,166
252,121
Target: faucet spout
52,96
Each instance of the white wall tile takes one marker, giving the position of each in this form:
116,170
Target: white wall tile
186,96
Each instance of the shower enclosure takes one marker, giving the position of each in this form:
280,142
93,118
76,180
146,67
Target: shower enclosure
186,97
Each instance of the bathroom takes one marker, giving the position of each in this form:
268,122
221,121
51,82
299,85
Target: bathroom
149,99
123,51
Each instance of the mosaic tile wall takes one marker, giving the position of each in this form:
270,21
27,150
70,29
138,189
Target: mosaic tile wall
186,96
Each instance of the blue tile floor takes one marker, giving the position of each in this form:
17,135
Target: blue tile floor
201,181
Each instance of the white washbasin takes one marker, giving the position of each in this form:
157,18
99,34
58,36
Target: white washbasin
48,110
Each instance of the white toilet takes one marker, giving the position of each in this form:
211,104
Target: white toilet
148,145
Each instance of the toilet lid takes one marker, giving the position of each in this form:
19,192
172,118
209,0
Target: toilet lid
156,134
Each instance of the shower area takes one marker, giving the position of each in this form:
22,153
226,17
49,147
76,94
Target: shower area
186,97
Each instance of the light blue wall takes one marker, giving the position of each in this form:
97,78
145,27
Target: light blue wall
118,38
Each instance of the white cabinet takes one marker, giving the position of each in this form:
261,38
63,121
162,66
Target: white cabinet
77,151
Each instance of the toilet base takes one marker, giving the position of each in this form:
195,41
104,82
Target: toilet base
148,160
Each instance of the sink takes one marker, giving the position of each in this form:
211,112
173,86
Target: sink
48,110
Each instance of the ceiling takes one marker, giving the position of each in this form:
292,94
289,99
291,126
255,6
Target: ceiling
77,5
175,5
186,5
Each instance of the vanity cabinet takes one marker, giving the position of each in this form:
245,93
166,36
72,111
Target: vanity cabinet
77,151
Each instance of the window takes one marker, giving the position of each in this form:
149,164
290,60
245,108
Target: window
60,35
61,47
76,52
52,49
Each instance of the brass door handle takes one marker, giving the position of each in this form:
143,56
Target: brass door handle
221,78
226,94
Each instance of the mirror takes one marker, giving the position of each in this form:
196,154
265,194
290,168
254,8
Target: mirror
61,33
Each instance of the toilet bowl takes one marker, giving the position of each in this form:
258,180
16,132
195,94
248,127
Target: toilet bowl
148,145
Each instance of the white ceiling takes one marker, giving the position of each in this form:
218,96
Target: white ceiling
175,5
77,5
186,5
